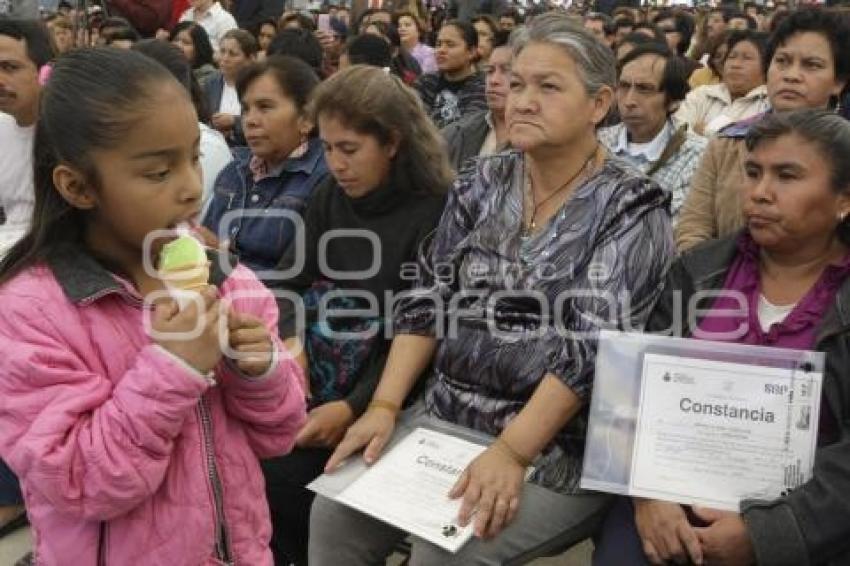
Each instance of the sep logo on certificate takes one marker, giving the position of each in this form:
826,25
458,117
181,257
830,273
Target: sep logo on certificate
714,433
408,487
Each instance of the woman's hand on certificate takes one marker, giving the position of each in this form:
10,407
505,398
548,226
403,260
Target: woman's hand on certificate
490,487
373,430
666,533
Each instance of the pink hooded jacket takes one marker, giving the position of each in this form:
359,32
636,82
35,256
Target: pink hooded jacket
126,455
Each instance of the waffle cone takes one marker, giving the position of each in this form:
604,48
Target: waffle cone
188,278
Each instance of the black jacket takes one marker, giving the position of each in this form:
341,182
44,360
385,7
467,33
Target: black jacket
250,14
811,525
398,218
213,91
448,101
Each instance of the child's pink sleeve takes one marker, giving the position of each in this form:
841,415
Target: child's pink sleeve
92,448
272,406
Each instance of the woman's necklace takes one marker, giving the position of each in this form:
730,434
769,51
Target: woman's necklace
535,206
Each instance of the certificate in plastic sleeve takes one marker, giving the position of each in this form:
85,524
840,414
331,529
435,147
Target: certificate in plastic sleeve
714,433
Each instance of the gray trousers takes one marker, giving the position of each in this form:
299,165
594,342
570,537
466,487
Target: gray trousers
547,523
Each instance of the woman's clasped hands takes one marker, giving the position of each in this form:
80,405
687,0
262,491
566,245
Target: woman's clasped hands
668,536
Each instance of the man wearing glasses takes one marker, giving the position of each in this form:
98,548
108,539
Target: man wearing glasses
652,83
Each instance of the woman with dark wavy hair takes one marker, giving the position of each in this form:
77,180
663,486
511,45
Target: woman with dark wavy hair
525,232
389,175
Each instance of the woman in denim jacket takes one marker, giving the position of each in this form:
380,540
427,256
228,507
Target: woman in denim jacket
258,199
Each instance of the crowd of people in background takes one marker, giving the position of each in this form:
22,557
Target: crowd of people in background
683,148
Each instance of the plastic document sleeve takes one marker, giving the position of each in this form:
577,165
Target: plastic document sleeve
699,422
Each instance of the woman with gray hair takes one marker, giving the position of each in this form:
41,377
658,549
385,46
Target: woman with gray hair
546,243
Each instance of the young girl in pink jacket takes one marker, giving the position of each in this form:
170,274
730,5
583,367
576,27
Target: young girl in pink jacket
135,424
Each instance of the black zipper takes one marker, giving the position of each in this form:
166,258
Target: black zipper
222,539
101,545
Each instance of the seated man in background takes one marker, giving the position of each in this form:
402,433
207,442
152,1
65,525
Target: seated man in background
484,132
653,81
24,49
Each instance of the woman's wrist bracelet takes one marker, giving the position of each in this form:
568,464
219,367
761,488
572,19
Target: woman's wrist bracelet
501,444
387,405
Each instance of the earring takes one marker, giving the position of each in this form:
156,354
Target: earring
842,216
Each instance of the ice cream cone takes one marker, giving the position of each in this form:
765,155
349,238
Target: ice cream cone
184,268
190,278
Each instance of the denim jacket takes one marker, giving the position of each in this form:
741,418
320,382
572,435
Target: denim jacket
257,236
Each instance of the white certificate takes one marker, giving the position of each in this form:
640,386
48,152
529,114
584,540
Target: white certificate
408,487
713,433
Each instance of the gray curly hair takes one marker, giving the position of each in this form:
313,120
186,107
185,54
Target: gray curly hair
595,61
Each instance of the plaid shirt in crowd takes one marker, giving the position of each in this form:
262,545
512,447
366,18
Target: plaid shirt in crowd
674,175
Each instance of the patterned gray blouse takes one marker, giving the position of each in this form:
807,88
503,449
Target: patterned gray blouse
510,308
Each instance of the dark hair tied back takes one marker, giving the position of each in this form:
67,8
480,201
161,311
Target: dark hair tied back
827,131
93,98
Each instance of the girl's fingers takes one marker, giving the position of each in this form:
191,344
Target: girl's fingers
242,321
166,310
249,336
255,358
256,347
254,366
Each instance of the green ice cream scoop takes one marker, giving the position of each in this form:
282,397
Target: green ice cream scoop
182,253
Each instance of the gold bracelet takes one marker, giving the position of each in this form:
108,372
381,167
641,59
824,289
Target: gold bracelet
503,445
388,405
